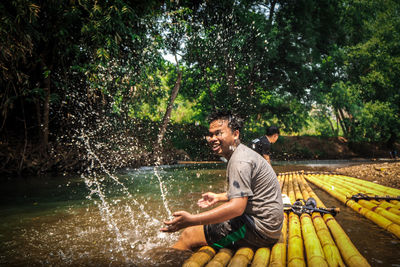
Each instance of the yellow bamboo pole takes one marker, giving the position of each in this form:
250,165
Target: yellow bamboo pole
278,252
355,189
382,190
348,251
296,188
295,255
372,185
303,188
373,216
314,252
349,191
387,206
381,211
222,258
291,195
242,258
329,247
396,206
281,180
331,251
349,183
261,258
200,258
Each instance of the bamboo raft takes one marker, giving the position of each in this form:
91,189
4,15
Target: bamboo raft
312,239
385,214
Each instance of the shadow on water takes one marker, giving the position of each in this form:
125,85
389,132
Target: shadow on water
51,220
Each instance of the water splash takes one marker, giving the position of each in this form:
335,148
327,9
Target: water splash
163,189
98,189
106,143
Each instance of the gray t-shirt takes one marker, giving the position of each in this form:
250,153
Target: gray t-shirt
250,175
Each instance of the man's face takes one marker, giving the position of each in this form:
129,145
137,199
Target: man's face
274,138
221,138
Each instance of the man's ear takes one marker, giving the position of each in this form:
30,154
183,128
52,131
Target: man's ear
236,134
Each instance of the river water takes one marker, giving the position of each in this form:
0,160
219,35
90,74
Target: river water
115,221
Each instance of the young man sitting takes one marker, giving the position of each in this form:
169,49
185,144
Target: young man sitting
251,213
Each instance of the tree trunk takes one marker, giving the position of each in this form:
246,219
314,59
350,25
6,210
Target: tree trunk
340,115
46,109
340,121
331,124
39,123
272,11
21,163
337,124
345,123
157,149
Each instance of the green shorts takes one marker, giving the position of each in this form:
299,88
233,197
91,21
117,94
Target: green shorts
236,233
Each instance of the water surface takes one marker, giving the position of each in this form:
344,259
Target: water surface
59,221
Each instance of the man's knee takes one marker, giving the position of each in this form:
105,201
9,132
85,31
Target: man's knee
194,232
194,236
187,233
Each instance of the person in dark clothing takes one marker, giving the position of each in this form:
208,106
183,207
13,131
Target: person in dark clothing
262,145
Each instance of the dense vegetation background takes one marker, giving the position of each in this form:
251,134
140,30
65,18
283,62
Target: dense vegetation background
86,83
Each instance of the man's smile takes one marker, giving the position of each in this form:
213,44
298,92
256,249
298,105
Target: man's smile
215,146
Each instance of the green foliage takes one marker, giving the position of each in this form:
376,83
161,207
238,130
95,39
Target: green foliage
311,67
257,62
372,66
190,137
376,122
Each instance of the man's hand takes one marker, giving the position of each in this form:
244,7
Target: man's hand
208,200
182,220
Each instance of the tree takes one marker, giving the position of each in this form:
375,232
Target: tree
367,64
174,30
254,57
54,50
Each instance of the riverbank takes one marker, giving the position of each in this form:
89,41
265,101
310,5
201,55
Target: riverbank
314,147
387,173
19,160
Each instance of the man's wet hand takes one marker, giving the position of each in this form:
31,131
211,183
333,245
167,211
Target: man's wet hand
208,200
182,220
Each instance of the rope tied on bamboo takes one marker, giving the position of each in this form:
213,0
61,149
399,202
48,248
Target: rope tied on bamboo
300,206
363,196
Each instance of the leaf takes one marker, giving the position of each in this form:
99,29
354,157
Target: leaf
46,73
102,54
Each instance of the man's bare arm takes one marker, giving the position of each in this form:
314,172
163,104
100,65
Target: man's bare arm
209,199
228,210
266,156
